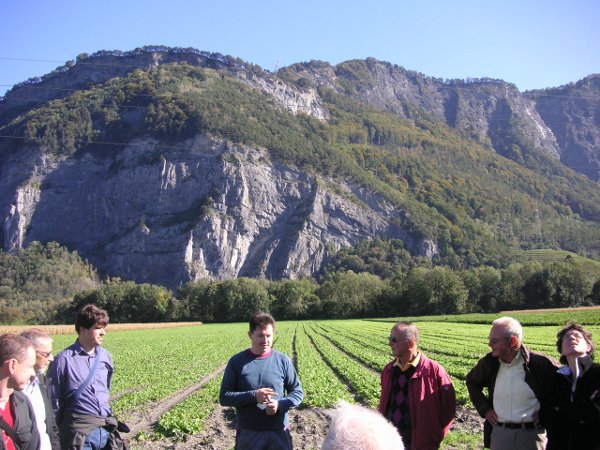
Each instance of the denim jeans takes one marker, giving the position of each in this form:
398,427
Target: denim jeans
96,440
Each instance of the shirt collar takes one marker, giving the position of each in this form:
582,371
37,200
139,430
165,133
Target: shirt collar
413,362
585,362
518,359
78,349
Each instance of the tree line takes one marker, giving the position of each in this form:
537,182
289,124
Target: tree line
46,284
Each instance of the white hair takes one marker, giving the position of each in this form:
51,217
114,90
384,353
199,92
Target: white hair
354,427
511,326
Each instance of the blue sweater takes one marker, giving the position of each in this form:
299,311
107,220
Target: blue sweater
245,373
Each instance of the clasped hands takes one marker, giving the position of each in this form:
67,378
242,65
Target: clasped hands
265,396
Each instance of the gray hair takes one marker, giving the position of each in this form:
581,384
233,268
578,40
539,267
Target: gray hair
409,330
37,337
511,326
354,427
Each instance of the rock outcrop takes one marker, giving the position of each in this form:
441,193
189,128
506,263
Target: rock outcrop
210,209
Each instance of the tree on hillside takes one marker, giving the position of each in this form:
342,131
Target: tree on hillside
127,302
435,291
293,299
349,294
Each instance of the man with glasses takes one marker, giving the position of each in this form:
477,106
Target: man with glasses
37,391
518,382
417,394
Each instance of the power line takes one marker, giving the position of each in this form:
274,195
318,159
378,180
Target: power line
180,147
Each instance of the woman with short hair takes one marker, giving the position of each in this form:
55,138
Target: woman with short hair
572,416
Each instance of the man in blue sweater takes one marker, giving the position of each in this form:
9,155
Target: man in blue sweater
262,385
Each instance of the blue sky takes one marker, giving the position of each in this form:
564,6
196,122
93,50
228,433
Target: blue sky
532,43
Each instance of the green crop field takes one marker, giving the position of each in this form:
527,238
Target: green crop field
335,360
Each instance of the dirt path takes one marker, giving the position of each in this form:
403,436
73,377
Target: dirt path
143,420
308,425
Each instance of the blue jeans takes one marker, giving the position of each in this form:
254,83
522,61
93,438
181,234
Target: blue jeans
96,440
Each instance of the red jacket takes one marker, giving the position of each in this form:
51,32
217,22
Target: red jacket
432,402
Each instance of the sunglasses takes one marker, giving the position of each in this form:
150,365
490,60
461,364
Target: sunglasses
393,339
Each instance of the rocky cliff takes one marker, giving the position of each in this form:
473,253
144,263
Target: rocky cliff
174,209
210,209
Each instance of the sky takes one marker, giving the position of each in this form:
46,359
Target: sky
532,43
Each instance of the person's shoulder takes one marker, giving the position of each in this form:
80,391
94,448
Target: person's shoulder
428,362
431,364
20,399
279,355
540,358
67,352
241,356
18,396
106,354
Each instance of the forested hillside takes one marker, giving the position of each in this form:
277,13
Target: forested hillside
181,166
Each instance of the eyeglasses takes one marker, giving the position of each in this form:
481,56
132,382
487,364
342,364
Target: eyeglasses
393,339
44,354
494,341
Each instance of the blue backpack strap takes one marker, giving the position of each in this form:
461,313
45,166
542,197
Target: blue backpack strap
89,377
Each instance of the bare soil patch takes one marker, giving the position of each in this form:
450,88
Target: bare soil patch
308,425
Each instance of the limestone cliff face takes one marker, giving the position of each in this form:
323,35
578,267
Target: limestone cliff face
492,112
573,114
209,209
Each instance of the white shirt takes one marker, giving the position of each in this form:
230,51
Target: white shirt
35,396
514,401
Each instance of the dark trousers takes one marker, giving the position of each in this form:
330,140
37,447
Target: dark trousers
263,440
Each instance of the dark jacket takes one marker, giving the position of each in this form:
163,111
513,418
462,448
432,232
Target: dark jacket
24,426
539,370
573,419
74,428
51,427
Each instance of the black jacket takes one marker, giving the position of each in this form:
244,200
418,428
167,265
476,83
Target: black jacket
573,419
539,370
24,426
51,427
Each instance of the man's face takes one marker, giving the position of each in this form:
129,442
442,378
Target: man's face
574,344
262,339
43,356
21,372
399,343
500,344
92,337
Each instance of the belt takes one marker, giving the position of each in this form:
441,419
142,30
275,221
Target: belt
517,426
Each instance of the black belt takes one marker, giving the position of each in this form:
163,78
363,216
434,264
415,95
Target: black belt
517,426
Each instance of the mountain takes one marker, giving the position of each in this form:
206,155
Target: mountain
168,165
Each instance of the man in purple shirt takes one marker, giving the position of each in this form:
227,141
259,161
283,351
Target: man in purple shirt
80,379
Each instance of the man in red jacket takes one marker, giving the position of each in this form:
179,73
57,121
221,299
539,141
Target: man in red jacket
417,395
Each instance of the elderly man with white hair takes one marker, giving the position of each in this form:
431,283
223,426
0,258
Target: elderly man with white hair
354,427
517,381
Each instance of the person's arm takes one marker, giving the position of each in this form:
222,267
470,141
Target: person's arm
293,388
447,399
55,384
229,395
476,381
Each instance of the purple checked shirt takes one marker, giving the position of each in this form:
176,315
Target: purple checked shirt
69,370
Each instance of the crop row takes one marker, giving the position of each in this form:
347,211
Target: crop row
364,381
335,360
322,388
